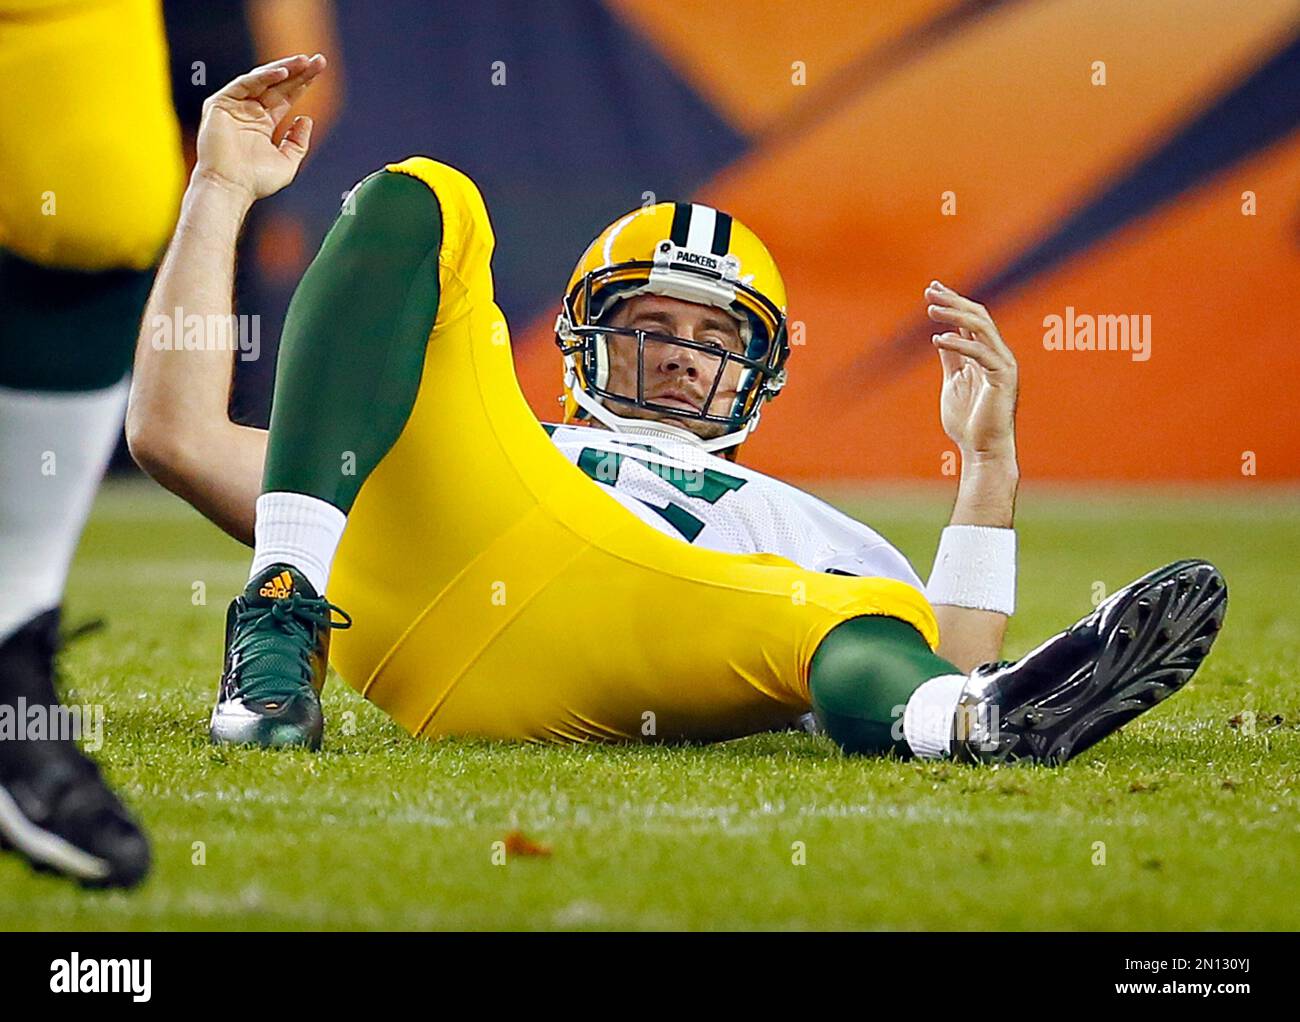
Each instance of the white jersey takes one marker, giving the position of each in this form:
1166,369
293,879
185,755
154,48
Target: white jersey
711,502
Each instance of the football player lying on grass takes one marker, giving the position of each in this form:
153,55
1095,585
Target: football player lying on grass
610,578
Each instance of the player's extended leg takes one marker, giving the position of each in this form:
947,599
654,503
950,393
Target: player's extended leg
1137,648
349,369
91,171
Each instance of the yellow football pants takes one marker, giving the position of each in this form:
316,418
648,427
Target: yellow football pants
497,591
90,161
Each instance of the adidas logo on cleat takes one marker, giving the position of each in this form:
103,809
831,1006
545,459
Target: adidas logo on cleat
278,588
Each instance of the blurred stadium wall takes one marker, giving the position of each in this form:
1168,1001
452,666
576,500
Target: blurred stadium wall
836,130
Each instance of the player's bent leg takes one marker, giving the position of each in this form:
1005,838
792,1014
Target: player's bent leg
354,341
350,364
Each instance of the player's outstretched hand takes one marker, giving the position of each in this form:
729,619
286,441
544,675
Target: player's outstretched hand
980,378
236,145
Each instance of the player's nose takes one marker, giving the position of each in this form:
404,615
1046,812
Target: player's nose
679,359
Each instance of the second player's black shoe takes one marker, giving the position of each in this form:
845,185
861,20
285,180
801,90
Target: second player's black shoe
55,808
1138,647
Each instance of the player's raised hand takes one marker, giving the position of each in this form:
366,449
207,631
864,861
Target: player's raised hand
236,144
980,378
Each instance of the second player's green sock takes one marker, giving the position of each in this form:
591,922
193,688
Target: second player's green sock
66,338
67,330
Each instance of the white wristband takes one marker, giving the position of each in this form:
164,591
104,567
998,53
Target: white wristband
975,567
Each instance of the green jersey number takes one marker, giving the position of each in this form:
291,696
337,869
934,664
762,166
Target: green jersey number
707,484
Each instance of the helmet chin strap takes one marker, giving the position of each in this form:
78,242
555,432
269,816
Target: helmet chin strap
650,427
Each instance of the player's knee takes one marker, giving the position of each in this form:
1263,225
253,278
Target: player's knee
456,191
845,699
387,218
860,679
467,231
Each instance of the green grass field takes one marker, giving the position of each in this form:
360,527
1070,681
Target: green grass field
1195,806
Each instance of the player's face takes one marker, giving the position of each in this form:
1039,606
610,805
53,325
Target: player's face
674,375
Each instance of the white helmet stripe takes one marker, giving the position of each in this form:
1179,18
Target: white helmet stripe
699,237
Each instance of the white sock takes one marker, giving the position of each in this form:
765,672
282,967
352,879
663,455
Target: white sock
301,531
929,715
54,447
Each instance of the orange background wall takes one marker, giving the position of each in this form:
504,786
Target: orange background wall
905,101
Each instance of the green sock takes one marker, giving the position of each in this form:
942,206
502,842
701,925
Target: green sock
67,330
861,677
354,342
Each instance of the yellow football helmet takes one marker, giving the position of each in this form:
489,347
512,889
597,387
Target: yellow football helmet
694,253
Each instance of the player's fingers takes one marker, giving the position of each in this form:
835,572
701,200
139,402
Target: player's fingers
980,326
951,362
258,80
973,324
297,140
941,293
282,95
978,352
279,101
956,312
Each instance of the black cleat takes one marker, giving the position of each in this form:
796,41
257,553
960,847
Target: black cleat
277,652
1137,648
55,809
